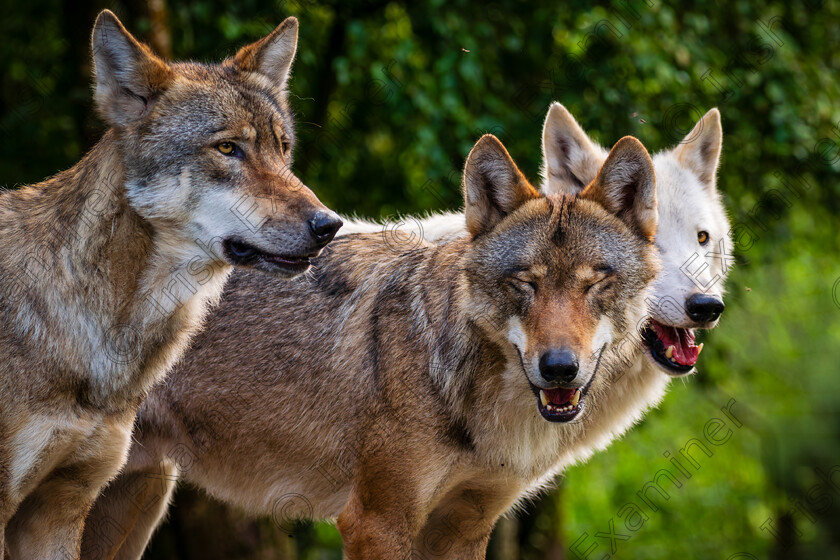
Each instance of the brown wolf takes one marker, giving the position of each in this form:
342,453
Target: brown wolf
109,267
430,388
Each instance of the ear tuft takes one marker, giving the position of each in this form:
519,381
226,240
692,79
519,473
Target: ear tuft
129,77
493,186
570,158
272,56
699,151
626,186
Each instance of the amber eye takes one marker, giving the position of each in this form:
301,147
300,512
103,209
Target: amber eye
286,147
227,148
703,237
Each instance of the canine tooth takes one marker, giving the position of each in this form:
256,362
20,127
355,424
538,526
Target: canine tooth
699,349
669,352
544,398
575,398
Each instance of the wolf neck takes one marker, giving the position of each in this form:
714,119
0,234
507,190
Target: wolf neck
93,286
485,389
453,339
479,377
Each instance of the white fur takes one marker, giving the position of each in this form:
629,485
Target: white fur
516,334
434,228
604,335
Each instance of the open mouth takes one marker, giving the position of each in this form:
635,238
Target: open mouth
672,348
240,253
560,405
564,405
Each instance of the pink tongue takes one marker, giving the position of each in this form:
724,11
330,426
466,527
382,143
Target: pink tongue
685,352
559,396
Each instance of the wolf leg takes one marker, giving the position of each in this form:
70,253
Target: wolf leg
459,528
395,486
6,510
450,540
145,527
8,505
48,524
4,517
128,511
374,535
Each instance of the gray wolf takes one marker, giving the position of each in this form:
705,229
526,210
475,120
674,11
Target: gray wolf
431,388
693,240
110,266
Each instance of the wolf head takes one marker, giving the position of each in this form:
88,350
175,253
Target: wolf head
207,149
559,277
693,229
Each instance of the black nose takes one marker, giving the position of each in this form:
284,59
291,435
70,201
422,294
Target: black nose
324,226
703,309
559,366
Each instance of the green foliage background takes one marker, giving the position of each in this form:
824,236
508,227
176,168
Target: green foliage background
390,96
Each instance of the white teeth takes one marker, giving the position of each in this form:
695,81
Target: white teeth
699,349
669,353
553,408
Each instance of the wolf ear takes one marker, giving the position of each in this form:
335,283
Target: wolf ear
493,186
570,159
272,56
700,150
129,77
626,186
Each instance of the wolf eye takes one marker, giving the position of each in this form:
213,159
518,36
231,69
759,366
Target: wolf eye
227,148
523,283
286,147
603,284
599,282
703,237
605,281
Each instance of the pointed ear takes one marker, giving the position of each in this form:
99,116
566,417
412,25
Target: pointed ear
493,186
700,150
626,186
570,159
129,77
272,55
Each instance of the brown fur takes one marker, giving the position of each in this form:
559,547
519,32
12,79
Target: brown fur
110,266
378,392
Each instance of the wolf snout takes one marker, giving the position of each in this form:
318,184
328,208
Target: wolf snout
324,226
703,308
559,366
